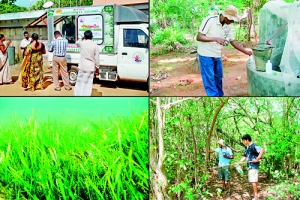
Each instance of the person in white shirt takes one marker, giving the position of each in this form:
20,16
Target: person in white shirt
25,42
89,61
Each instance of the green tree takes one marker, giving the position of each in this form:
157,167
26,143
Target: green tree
188,128
11,8
8,1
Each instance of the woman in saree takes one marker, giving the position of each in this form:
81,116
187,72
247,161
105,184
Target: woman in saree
32,69
5,75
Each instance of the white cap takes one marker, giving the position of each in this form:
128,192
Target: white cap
221,142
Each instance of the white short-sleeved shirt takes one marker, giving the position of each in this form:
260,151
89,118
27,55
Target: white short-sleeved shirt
212,27
89,55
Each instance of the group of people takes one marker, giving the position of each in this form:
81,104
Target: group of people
252,156
32,77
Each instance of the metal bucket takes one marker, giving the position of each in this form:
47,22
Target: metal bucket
262,53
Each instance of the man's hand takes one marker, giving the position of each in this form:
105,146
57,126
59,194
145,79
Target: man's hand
255,160
249,53
240,48
225,156
8,43
221,41
235,164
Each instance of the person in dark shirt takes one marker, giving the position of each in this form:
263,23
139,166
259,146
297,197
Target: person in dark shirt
252,154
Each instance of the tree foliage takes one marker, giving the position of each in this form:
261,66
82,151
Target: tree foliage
8,1
184,17
62,3
191,127
11,8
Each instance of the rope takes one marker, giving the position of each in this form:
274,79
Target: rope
268,41
231,164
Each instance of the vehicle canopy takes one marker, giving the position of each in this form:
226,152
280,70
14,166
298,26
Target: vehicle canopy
100,19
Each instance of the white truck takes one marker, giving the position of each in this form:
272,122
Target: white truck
122,34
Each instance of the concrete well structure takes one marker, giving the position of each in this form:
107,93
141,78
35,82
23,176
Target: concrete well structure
285,78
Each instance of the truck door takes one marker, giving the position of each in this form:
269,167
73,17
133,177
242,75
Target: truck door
133,53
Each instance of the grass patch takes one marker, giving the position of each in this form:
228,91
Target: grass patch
101,159
226,71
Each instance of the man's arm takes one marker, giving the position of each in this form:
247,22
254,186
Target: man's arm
51,47
238,47
259,156
242,160
230,157
97,57
203,38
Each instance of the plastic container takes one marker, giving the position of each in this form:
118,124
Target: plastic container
251,59
227,40
239,169
268,67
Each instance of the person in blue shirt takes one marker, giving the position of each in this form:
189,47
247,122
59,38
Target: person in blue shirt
225,154
252,154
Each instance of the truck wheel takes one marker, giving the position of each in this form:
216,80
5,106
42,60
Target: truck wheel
73,73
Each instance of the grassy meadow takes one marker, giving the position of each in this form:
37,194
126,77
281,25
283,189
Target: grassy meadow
98,158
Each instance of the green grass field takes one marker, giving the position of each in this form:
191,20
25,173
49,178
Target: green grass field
99,159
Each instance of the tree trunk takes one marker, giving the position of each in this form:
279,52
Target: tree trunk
160,180
211,130
194,148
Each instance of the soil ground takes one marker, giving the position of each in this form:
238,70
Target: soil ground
177,74
100,88
241,189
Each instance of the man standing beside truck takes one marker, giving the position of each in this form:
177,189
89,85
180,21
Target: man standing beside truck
89,61
59,61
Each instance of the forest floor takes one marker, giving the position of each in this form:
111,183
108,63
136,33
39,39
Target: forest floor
177,73
242,190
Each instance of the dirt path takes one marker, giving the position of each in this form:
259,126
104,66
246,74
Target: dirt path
240,187
100,88
177,74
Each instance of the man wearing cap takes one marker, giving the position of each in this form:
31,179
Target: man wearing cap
225,154
252,154
215,32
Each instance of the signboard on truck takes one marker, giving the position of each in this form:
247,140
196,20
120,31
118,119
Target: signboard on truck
98,19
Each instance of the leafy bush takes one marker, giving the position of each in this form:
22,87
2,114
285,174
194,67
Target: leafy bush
285,190
168,37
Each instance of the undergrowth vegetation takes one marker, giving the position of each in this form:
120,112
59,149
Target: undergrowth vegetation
104,159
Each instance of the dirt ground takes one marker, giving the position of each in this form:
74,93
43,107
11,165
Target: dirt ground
241,189
177,74
100,88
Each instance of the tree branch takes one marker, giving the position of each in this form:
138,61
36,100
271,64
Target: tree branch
167,106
